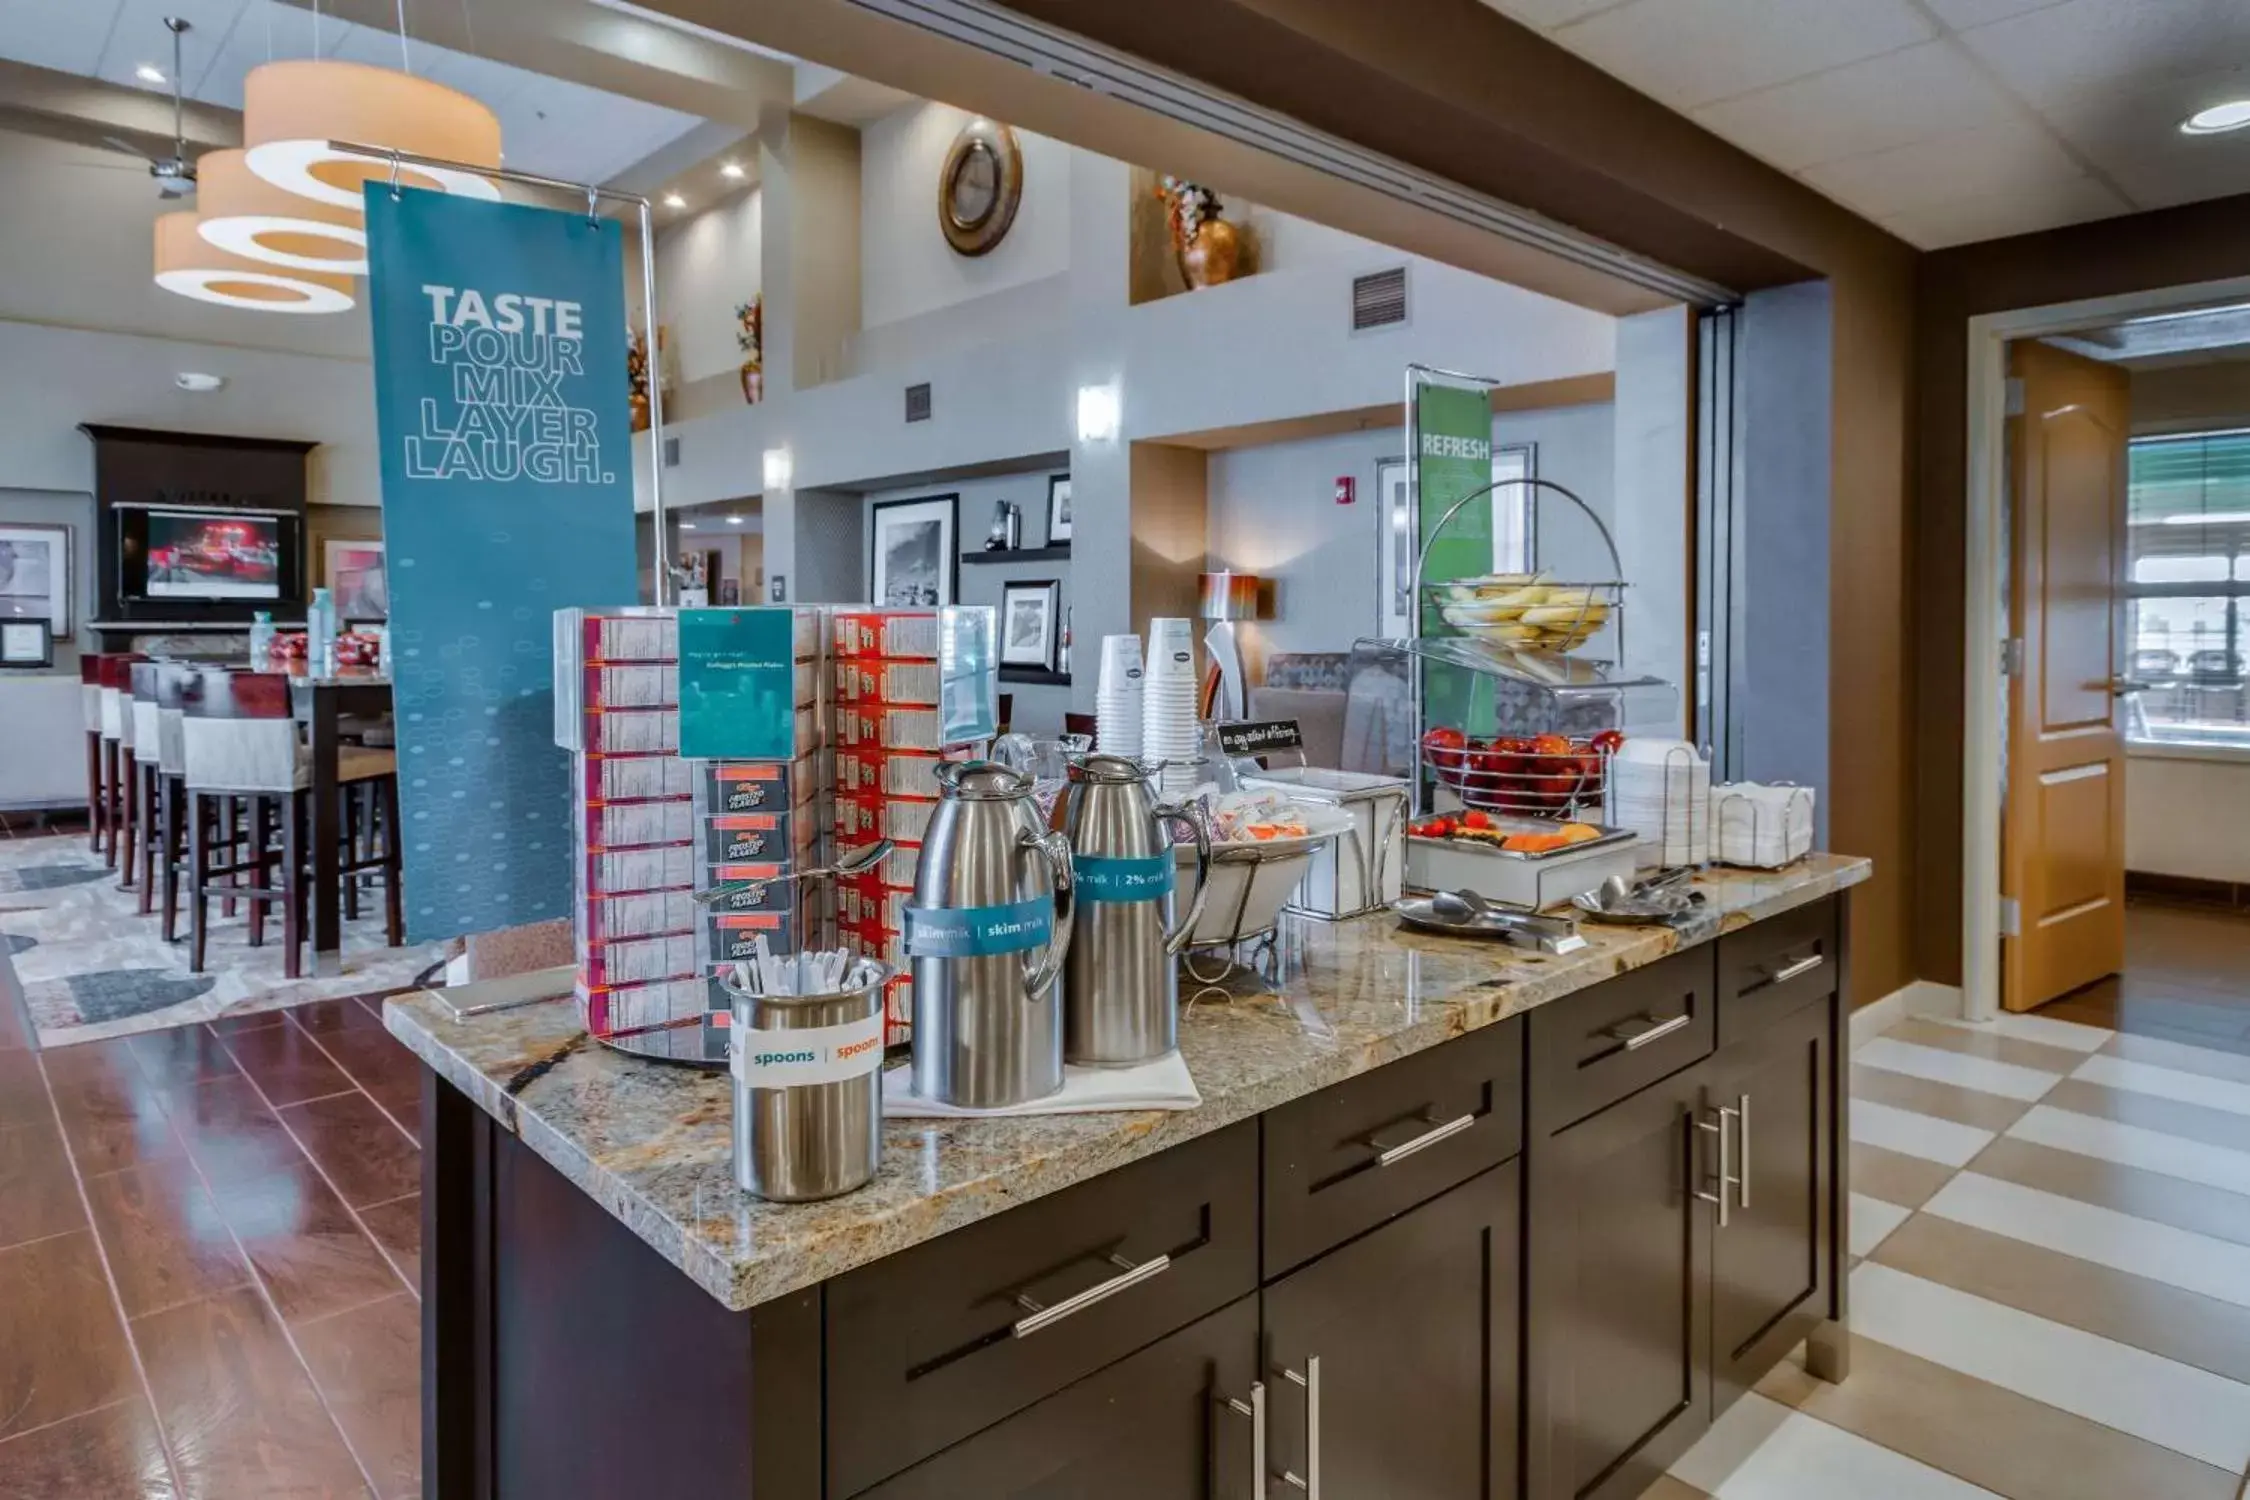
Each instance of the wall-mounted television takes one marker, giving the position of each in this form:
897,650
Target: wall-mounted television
173,555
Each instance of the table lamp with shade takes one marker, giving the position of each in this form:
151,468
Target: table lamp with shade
1224,598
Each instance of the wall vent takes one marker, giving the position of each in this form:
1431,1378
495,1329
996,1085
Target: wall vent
1379,299
918,402
671,453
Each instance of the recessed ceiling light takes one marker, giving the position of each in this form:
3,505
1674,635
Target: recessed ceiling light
197,380
674,200
150,73
731,171
2218,119
734,520
687,526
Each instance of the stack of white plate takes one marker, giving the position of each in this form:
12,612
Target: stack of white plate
1117,696
1169,731
1661,789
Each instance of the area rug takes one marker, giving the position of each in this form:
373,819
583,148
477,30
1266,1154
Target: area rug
91,966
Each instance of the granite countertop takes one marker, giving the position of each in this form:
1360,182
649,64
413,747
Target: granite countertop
652,1143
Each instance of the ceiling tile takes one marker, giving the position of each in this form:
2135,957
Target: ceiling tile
1961,14
1547,13
1855,109
2111,44
267,31
66,37
2000,159
1993,215
1693,52
2134,137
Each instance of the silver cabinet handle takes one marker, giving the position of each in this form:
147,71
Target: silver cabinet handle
1801,966
1310,1380
1742,1152
1635,1040
1132,1276
1255,1410
1726,1175
1426,1139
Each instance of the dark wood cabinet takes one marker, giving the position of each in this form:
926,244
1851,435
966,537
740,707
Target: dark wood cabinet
1771,1259
1153,1426
1618,1316
1400,1351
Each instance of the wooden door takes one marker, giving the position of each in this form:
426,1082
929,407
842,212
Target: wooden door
1619,1305
1770,1260
2063,832
1414,1326
1154,1426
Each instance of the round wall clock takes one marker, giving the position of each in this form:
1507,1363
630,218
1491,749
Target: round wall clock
979,187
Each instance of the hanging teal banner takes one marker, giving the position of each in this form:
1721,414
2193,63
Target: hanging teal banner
738,684
500,385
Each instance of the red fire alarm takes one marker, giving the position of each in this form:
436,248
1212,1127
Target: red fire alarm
1346,489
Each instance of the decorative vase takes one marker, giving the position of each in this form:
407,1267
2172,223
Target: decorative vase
1213,255
753,383
639,405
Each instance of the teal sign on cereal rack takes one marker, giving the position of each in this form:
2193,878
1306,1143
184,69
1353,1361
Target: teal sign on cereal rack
738,684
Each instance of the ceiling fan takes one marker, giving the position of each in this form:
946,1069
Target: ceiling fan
175,174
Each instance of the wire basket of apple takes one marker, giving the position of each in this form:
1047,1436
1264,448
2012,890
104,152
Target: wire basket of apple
1547,775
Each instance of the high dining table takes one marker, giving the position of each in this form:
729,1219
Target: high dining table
320,704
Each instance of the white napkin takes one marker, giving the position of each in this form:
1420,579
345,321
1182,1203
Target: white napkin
1163,1084
1764,827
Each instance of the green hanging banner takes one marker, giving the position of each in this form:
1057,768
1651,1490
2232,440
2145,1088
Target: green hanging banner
1453,458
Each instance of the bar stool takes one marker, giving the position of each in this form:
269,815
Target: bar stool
240,741
160,757
97,790
115,681
237,739
367,779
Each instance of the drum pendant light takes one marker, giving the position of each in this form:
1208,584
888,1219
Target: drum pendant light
292,110
242,213
192,266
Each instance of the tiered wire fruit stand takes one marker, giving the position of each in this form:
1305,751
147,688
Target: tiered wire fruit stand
1514,718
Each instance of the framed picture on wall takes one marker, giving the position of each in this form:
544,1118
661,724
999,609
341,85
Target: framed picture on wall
1030,619
356,578
1394,550
913,555
35,575
1058,509
1515,508
26,644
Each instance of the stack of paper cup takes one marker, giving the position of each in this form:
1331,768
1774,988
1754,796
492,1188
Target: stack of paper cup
1117,696
1168,695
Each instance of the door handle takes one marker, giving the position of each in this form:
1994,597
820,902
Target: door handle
1388,1155
1726,1173
1255,1410
1309,1482
1043,1316
1635,1040
1742,1151
2125,687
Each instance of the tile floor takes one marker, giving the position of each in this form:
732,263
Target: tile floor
208,1245
2053,1220
209,1261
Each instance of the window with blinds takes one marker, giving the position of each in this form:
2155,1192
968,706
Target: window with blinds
2188,548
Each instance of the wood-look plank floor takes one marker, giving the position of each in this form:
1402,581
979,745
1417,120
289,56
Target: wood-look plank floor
2061,1312
210,1261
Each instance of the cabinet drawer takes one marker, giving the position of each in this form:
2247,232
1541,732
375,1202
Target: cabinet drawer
945,1339
1591,1049
1772,967
1345,1159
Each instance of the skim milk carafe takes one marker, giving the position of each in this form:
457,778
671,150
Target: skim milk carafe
990,924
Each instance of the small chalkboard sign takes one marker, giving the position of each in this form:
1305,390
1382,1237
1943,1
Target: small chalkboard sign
1258,736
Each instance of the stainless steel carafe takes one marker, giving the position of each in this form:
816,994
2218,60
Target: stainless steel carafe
1120,987
990,924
